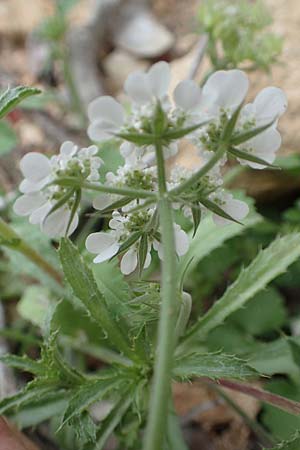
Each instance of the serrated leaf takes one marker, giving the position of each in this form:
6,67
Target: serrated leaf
268,264
85,428
250,157
8,138
12,97
293,444
23,363
88,394
210,236
32,392
213,366
81,279
109,424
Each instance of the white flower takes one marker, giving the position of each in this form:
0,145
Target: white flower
269,105
107,118
237,209
188,96
225,90
40,196
144,88
181,243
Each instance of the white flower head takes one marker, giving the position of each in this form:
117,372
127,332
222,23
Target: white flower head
40,194
147,87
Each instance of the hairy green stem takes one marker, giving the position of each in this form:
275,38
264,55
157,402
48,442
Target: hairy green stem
159,400
13,240
203,171
127,192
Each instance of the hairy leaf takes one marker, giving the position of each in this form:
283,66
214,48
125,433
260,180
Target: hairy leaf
268,264
212,365
83,284
88,394
11,97
294,444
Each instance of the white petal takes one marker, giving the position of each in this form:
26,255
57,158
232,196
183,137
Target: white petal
126,149
68,148
235,208
187,95
159,76
38,216
181,241
147,260
26,204
227,88
129,262
270,103
98,242
137,88
106,108
99,131
55,225
35,166
28,187
102,201
107,253
264,146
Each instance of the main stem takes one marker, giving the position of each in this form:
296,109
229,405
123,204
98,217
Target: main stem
159,400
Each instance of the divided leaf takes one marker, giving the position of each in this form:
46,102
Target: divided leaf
212,365
83,284
268,264
12,97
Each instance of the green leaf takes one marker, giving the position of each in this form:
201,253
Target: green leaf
229,127
87,394
81,279
177,134
22,363
293,444
249,157
112,421
212,365
196,212
31,392
267,265
246,135
256,319
280,423
137,138
11,97
129,242
217,210
210,236
142,252
8,138
34,305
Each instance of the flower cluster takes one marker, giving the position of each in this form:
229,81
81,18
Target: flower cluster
212,118
46,203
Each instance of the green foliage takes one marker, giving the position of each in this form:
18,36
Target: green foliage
282,424
268,264
83,284
240,28
12,97
8,138
212,365
293,444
